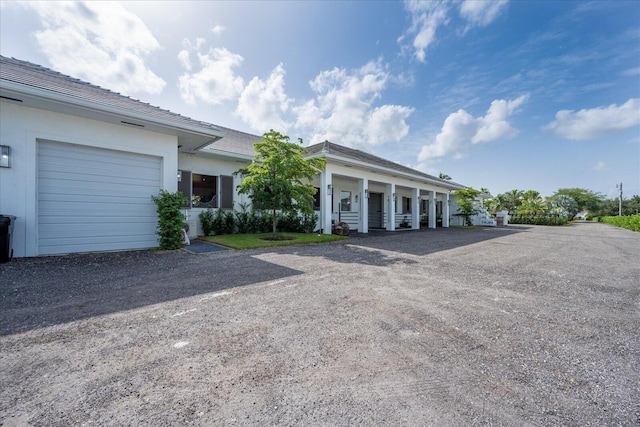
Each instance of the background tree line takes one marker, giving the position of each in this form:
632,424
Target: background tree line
566,202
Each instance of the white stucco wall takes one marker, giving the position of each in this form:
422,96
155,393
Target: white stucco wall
21,127
216,166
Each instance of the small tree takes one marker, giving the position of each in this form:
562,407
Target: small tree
277,178
170,218
466,200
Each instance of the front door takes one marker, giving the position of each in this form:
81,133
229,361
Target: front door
376,216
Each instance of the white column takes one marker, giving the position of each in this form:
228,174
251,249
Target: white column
415,208
391,207
363,189
432,209
445,211
326,195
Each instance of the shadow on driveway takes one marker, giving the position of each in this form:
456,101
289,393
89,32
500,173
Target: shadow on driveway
422,242
39,292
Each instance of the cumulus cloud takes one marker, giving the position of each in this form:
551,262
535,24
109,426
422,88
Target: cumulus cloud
461,130
110,45
595,122
218,29
209,76
263,103
343,110
428,15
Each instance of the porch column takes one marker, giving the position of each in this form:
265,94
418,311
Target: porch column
445,211
432,209
415,208
391,207
363,189
326,195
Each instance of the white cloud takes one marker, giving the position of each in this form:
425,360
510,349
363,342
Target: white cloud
263,103
426,17
343,110
494,124
595,122
600,166
109,45
215,80
461,130
481,13
218,29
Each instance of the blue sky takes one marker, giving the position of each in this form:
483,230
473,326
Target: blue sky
503,95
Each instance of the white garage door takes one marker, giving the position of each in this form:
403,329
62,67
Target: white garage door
93,199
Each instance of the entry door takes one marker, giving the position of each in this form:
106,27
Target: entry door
376,205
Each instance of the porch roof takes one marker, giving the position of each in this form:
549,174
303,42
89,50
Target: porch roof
330,150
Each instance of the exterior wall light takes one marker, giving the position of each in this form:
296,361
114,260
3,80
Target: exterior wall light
366,194
5,156
329,190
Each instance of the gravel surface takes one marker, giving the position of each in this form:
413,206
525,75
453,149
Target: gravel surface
515,326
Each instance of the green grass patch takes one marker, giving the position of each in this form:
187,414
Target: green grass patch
253,241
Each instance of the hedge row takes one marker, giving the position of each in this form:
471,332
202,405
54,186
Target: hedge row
246,222
537,219
630,222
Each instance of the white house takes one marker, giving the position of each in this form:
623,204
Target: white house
85,161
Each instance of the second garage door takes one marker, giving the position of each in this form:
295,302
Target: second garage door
93,199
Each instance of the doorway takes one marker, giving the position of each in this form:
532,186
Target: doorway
376,214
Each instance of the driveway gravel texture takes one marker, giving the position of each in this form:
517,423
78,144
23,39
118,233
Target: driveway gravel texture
513,326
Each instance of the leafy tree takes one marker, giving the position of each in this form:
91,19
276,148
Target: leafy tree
466,200
586,199
564,206
277,178
534,206
511,200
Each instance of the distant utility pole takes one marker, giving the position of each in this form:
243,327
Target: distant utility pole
620,202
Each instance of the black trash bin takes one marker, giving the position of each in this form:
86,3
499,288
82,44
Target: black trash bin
6,230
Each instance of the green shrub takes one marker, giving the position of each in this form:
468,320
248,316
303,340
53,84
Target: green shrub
245,220
223,222
206,220
309,222
538,219
170,218
630,222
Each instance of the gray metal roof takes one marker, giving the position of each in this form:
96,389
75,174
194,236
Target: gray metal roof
42,78
234,142
360,156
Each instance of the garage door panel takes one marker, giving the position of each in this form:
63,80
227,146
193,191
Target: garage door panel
91,231
106,176
93,199
94,193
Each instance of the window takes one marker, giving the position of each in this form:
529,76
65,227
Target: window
316,200
203,190
406,202
345,201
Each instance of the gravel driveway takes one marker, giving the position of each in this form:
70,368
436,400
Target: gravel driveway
516,326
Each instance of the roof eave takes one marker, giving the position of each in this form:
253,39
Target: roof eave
196,137
387,171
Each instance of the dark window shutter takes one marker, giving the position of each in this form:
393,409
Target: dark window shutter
226,191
